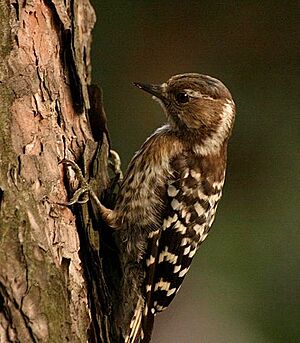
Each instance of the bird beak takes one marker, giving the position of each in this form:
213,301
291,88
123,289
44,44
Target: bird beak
155,90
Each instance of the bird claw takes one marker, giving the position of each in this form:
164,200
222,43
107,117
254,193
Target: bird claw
81,194
76,170
86,193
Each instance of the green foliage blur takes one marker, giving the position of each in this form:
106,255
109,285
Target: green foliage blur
244,284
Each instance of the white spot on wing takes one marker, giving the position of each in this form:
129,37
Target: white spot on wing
187,250
172,191
199,229
180,228
203,237
167,256
192,252
185,241
150,260
159,308
201,195
183,272
218,185
171,291
176,204
177,269
163,285
199,209
188,217
167,222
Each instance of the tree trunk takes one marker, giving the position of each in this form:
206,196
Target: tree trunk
52,286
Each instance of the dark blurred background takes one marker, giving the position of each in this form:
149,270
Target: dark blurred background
244,284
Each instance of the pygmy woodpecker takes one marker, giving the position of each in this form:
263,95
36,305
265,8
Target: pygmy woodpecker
169,196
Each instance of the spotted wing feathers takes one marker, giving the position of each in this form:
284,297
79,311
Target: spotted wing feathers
190,208
190,211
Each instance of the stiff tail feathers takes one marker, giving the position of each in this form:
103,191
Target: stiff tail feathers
135,328
141,325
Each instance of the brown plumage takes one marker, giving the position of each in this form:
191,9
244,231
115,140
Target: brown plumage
168,199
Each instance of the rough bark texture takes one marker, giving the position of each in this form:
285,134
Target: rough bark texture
51,284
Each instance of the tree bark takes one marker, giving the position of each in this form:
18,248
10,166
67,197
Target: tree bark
52,284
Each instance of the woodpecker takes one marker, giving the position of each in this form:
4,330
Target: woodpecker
169,195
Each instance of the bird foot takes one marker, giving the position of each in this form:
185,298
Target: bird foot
84,193
81,195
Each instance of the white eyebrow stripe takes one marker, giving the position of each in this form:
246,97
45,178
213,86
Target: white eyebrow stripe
197,94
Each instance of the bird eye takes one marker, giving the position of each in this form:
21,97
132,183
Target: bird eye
182,97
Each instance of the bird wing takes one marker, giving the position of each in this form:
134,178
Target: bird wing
191,205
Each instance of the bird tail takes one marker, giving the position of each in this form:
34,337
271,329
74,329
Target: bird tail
141,325
135,327
147,327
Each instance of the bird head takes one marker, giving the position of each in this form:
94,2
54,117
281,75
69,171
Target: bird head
195,103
